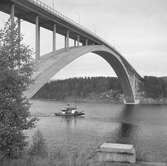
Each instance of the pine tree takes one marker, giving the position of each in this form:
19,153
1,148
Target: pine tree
15,76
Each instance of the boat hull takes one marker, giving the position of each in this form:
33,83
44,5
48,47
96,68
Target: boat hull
70,115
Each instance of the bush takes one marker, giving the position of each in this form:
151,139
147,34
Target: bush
38,147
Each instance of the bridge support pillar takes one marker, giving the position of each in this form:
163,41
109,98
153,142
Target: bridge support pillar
54,38
19,29
86,42
67,37
78,40
19,36
12,15
37,40
75,43
65,44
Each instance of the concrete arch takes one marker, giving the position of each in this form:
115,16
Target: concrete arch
50,64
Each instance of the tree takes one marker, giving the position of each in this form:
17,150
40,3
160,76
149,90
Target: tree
15,76
153,86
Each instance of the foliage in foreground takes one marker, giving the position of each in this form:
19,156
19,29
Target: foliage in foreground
15,76
75,159
38,146
37,155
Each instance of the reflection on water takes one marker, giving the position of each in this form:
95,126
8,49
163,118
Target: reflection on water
126,130
71,122
144,126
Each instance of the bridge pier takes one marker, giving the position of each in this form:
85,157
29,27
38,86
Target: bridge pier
86,42
19,30
125,101
37,40
54,38
19,36
12,15
135,87
67,37
75,43
78,40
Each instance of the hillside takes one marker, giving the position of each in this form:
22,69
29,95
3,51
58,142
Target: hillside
104,89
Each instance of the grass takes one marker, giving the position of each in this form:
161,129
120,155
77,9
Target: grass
37,155
58,158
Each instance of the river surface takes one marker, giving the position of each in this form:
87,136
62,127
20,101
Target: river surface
144,126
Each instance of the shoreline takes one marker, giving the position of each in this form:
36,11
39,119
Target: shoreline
79,101
143,101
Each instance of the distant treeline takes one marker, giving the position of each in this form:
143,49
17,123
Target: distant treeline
77,87
153,87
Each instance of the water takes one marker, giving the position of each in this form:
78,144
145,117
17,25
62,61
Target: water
144,126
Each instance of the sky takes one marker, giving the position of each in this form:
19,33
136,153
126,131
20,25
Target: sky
136,28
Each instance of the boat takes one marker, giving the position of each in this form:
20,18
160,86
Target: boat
69,111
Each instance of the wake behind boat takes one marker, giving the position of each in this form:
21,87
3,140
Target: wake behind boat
69,111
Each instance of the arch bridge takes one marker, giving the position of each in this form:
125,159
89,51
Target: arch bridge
85,41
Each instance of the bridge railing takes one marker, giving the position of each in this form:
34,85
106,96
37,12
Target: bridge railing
60,15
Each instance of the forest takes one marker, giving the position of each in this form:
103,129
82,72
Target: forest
77,87
153,87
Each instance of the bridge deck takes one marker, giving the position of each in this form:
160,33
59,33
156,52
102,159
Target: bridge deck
29,9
